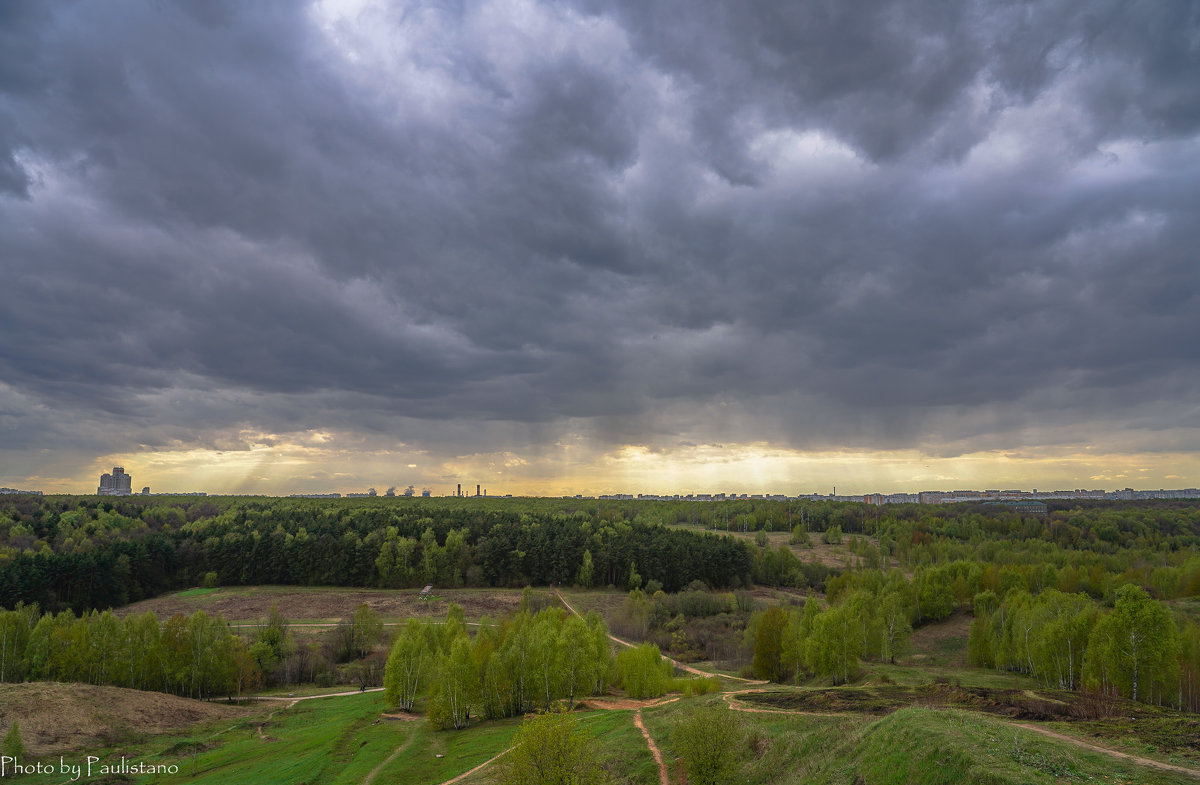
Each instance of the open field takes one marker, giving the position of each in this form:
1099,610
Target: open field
942,643
835,556
322,604
339,740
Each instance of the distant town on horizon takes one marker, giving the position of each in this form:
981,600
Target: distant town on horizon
119,483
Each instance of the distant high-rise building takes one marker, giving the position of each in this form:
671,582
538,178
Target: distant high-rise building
116,484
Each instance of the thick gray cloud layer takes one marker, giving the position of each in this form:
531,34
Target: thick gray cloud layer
874,224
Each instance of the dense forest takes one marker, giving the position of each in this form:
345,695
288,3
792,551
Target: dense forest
85,553
93,553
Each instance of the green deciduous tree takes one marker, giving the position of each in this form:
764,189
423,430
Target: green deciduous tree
367,629
550,749
835,645
586,570
456,687
1134,650
765,634
578,660
410,664
546,655
934,594
894,627
14,636
643,672
708,740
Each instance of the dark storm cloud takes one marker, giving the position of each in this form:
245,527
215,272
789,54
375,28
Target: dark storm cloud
859,223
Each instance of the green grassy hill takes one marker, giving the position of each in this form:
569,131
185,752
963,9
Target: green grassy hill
912,746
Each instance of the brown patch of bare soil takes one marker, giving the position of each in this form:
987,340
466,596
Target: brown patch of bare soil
617,704
252,603
57,718
401,716
940,637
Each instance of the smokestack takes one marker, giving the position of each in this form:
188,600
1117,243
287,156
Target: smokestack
477,490
459,491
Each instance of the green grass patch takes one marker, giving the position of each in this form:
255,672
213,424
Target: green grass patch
188,593
910,746
1148,732
461,751
621,746
919,746
917,675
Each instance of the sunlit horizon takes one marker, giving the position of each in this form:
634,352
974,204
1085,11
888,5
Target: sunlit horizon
281,470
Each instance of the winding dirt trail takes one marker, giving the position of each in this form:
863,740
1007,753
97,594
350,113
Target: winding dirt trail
731,698
481,766
629,703
663,778
389,759
295,698
1154,764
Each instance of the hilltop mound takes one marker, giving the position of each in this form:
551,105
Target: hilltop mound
931,747
57,717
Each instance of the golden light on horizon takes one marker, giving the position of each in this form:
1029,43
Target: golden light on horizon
283,464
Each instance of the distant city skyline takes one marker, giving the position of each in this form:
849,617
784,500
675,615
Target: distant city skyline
119,483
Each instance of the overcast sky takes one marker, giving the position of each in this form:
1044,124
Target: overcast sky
585,246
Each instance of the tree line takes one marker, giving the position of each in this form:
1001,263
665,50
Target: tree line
871,621
92,553
1136,650
195,656
529,661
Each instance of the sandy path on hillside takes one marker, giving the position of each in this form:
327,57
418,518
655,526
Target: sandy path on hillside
295,698
663,779
731,698
481,766
389,759
1155,764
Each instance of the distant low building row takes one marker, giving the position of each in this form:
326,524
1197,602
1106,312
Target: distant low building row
1011,497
